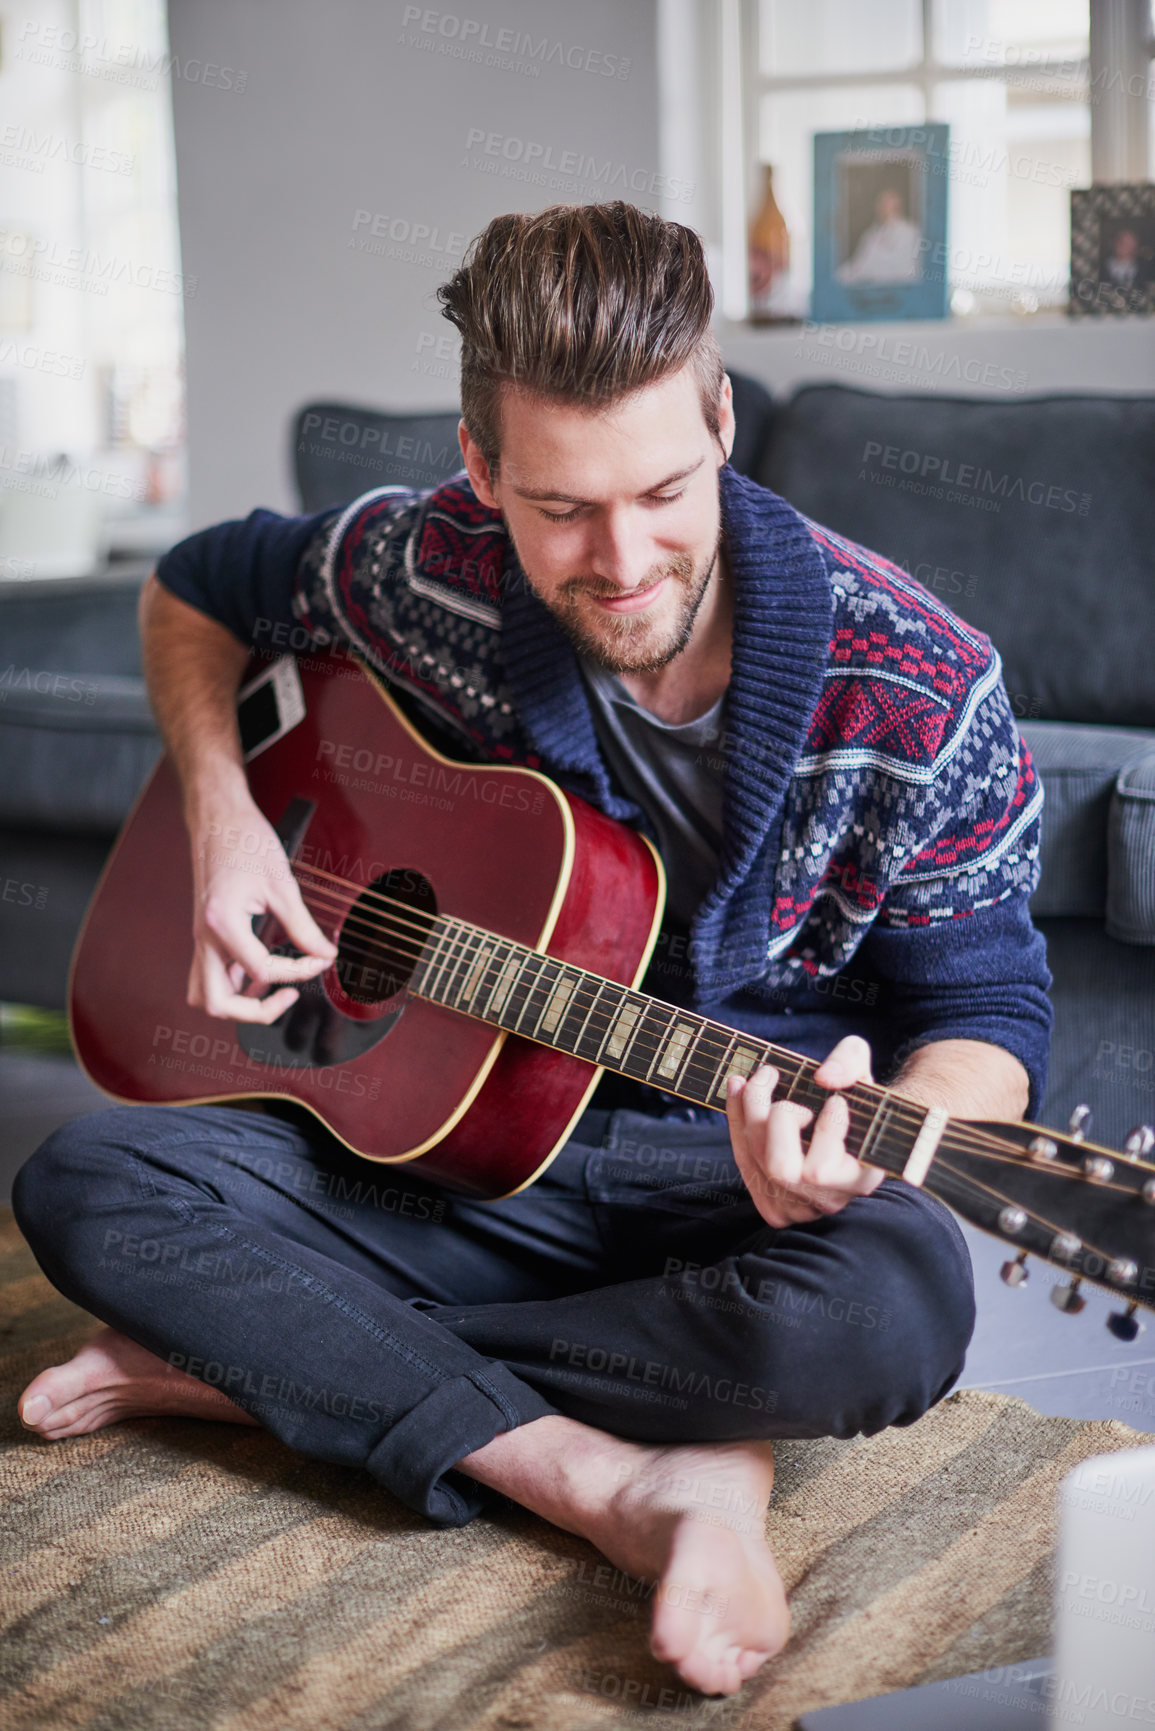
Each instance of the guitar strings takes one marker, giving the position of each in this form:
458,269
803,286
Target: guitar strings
956,1139
905,1115
908,1115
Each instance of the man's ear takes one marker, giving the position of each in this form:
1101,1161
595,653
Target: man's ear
726,424
479,476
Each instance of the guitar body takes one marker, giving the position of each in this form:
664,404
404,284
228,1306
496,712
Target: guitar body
372,815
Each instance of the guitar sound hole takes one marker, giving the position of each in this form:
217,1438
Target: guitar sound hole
381,939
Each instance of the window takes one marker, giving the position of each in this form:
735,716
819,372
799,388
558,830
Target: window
1010,77
91,328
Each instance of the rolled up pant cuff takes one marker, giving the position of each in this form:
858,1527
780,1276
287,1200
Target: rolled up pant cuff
415,1458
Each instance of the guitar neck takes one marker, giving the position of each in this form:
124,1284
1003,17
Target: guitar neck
510,986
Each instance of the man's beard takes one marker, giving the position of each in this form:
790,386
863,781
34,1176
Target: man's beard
628,643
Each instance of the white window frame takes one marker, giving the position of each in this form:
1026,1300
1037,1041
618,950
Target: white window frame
1118,68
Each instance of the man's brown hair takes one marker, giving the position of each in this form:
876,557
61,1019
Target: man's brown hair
583,304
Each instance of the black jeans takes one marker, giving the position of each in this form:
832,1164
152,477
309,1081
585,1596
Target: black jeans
368,1317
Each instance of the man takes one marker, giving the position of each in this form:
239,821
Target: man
829,764
889,250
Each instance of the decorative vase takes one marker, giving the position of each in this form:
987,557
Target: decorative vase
768,248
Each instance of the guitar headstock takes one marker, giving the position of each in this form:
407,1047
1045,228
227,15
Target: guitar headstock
1087,1210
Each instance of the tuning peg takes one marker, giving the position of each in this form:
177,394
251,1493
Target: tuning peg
1068,1298
1080,1118
1123,1325
1015,1273
1140,1142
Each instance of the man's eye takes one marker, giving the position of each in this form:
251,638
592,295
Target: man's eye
568,516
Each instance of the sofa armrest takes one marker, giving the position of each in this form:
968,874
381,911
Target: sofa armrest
1093,834
1131,853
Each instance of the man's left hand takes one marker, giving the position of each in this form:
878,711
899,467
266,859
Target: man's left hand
790,1184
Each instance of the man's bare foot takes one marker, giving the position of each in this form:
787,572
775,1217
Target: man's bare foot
690,1519
112,1378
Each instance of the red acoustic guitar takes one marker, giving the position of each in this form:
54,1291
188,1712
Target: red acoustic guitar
491,931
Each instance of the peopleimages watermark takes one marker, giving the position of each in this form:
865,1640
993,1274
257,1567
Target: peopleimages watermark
502,47
538,164
346,439
238,1379
218,1058
653,1378
24,147
1109,1489
882,349
46,260
404,240
41,360
969,161
43,682
70,50
24,895
25,471
970,482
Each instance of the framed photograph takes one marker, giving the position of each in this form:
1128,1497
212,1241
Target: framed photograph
880,203
1112,250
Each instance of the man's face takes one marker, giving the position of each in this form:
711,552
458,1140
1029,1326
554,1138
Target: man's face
614,514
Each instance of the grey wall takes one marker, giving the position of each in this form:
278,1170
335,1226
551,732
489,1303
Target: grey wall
352,106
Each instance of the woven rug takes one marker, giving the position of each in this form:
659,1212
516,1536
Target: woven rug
173,1574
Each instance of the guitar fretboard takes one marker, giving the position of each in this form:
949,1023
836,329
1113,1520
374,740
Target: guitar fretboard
510,986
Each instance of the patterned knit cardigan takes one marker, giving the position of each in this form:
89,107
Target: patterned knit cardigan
880,811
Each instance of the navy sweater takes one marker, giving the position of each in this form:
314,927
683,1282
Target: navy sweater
880,810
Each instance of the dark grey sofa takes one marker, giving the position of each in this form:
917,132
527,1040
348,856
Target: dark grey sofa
1028,517
1031,519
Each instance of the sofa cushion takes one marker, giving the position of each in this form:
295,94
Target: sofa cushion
1030,517
75,749
1096,862
1131,853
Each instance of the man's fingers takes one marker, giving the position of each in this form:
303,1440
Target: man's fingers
232,933
219,999
846,1064
784,1157
300,926
827,1162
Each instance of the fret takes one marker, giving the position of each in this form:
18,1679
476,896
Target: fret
438,961
574,1017
794,1081
459,961
685,1080
482,957
522,990
664,1018
618,1033
925,1145
558,1001
638,1005
510,964
551,980
876,1126
674,1050
718,1086
581,1033
740,1062
544,964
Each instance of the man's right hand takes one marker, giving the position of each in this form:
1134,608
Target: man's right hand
239,871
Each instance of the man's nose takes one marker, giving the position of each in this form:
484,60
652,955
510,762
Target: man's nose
622,550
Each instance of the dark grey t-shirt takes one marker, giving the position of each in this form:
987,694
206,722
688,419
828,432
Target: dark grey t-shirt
674,771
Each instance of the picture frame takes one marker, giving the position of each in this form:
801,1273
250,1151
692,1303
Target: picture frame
880,214
1112,250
